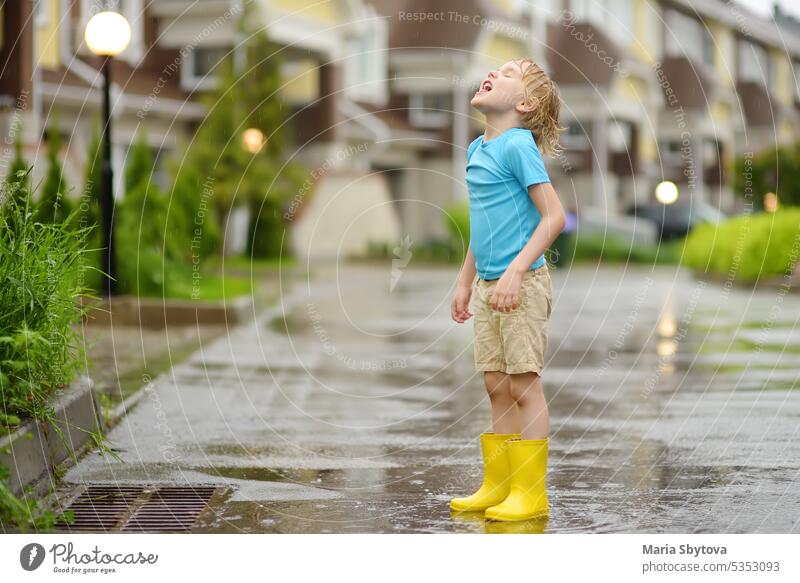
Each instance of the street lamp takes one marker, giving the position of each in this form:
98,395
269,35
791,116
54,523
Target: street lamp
253,140
666,192
107,34
770,202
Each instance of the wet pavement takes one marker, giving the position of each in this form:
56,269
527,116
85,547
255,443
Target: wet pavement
354,407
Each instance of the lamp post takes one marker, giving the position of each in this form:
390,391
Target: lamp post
107,34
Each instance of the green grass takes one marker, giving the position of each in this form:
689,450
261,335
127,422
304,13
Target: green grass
209,288
40,268
246,264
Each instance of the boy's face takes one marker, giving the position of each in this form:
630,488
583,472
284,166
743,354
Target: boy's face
502,89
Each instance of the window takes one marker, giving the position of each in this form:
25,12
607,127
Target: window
575,137
549,9
685,36
365,64
753,62
200,66
430,110
41,9
613,16
620,136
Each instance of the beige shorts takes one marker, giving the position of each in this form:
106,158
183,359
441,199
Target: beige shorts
513,342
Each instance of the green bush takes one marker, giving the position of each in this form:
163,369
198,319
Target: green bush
614,249
193,226
457,223
144,253
749,246
39,275
775,169
39,348
267,234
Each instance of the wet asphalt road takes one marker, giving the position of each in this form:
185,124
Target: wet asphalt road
354,407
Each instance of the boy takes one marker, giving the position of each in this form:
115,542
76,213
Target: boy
514,216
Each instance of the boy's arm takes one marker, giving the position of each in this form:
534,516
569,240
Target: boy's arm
552,223
467,274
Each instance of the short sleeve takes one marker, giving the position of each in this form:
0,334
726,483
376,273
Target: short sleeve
525,161
472,146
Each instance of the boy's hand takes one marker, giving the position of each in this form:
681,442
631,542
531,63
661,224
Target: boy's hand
459,309
506,293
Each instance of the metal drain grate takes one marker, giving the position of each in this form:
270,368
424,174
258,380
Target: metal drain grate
101,508
172,509
114,508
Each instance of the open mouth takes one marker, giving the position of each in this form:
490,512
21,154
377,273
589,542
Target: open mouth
486,86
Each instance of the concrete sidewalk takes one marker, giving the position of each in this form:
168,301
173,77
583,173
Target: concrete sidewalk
354,407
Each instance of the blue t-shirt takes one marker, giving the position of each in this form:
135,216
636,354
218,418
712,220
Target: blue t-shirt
502,215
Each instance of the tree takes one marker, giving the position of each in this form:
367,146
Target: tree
246,97
144,253
193,225
775,169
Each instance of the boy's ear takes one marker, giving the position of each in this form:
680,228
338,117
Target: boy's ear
523,107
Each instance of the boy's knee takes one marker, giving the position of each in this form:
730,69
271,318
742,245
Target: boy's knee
497,385
523,386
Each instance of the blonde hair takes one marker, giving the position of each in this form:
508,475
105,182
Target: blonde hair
543,119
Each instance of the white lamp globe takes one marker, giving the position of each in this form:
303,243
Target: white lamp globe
667,192
107,33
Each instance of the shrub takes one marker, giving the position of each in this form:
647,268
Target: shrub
39,348
751,246
143,251
39,275
457,223
775,169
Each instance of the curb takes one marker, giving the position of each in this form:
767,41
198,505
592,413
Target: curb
161,312
791,283
34,450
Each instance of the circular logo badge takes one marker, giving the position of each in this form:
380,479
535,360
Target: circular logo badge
31,556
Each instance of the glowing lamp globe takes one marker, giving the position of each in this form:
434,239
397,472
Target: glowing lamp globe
770,202
107,33
253,140
667,192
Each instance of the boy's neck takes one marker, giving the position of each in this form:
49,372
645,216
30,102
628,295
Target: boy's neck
498,124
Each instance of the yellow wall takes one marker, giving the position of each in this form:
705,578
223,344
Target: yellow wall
645,22
504,5
324,10
648,149
721,113
724,52
300,81
782,79
46,47
633,88
787,135
502,49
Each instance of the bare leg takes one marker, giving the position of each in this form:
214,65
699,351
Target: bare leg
528,393
504,408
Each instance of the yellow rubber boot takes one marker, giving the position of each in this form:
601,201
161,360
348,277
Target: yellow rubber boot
495,485
527,464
